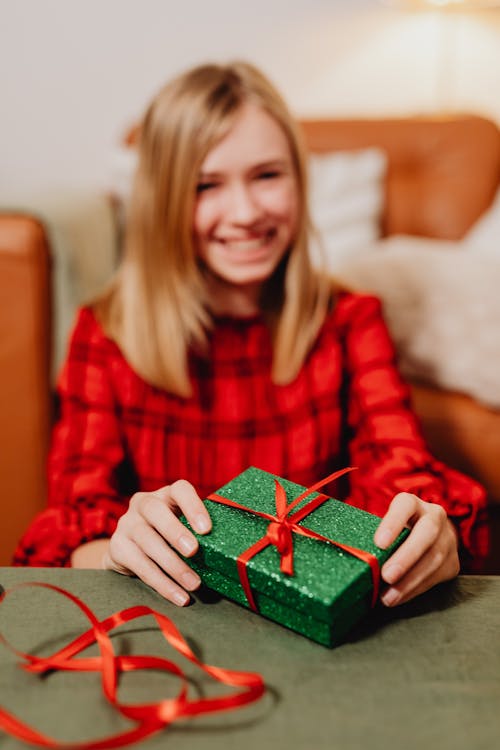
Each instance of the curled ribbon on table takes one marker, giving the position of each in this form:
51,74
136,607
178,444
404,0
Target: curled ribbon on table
281,528
149,718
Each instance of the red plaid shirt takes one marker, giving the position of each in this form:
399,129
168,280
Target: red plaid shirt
117,434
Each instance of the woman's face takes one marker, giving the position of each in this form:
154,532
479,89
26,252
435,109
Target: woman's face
247,208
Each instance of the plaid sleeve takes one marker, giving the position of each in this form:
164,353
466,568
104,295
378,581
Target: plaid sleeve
386,441
86,456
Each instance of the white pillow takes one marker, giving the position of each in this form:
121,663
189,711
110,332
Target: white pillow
347,195
485,233
81,227
442,307
123,166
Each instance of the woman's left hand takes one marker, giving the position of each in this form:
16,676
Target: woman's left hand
429,554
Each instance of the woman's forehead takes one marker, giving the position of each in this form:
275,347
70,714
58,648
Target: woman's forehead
254,137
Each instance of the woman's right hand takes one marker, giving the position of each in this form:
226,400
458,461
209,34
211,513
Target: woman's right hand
149,535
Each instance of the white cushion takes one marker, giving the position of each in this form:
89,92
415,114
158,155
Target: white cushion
484,236
123,165
442,307
346,200
80,224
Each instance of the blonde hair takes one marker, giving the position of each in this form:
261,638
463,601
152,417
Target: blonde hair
156,309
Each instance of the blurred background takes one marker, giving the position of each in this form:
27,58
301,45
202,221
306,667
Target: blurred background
409,208
75,73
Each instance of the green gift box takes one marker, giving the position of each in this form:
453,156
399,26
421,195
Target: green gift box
310,565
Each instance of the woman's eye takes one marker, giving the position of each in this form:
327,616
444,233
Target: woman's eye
203,186
269,175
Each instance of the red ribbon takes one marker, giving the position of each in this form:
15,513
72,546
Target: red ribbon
149,718
280,532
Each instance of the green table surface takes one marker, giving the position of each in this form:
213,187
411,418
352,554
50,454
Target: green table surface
423,675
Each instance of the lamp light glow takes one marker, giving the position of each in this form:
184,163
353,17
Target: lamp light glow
443,4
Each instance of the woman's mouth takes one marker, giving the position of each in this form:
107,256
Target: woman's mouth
247,245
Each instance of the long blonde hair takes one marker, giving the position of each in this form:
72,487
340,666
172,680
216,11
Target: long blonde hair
156,309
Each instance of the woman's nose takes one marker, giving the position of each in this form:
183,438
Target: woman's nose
243,207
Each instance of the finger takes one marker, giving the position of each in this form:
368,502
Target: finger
182,496
394,595
440,563
138,563
187,499
402,509
154,546
156,509
421,538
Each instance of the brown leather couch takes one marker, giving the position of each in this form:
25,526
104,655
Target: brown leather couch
443,173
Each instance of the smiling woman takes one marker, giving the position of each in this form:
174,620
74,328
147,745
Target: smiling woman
219,347
241,175
246,211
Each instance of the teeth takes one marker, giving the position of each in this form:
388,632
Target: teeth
246,245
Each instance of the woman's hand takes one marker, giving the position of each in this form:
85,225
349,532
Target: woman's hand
149,534
429,554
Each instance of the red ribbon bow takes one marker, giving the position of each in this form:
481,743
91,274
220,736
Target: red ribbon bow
280,532
149,718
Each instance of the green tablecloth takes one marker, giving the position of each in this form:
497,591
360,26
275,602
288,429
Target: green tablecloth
424,675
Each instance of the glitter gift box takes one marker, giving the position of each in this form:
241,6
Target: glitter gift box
259,557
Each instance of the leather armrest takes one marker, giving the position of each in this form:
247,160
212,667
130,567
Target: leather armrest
461,432
25,401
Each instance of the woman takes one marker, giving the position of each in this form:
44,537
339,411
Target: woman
218,347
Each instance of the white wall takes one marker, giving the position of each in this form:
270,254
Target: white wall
75,73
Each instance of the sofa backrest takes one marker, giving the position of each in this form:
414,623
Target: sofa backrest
442,172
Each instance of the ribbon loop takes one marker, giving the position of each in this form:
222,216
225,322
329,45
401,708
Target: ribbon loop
279,534
148,718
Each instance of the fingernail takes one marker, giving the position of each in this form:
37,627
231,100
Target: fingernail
390,597
392,572
202,523
180,598
382,538
187,544
190,580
